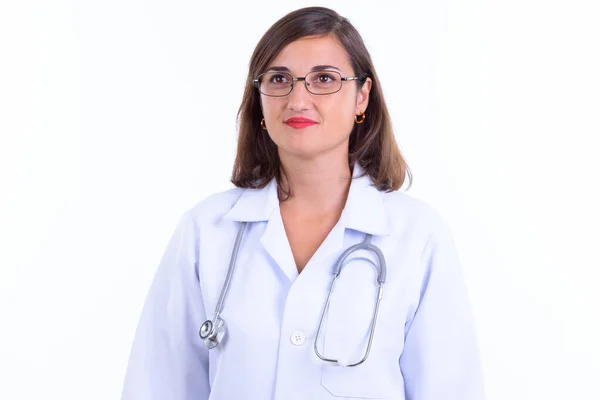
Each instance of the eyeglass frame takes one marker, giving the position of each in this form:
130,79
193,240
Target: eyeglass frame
256,82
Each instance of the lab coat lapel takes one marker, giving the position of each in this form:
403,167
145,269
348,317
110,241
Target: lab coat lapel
262,205
364,211
276,243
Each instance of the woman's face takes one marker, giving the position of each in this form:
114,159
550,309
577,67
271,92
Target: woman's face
332,114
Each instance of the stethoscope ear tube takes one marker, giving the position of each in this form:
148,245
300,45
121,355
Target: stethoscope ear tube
364,245
342,262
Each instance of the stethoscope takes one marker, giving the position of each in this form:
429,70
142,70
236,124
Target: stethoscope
212,332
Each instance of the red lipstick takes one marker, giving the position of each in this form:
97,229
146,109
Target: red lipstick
299,122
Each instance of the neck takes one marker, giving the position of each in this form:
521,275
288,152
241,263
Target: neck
319,187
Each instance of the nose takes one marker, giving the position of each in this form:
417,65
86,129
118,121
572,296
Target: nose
300,99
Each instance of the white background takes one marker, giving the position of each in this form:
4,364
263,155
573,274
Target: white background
116,116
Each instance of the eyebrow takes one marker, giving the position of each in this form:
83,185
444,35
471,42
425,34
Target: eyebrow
313,69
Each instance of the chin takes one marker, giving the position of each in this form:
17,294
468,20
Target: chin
308,146
300,152
307,151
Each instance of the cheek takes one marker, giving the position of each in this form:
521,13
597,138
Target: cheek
339,117
272,108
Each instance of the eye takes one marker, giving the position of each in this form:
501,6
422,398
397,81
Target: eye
325,78
278,79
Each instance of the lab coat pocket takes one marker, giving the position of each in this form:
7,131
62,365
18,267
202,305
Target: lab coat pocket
360,382
345,337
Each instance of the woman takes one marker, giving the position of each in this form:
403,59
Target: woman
317,171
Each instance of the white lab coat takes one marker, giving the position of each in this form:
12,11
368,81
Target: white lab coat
424,347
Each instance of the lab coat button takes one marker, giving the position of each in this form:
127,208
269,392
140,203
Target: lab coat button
298,338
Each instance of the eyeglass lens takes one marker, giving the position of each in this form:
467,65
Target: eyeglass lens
317,82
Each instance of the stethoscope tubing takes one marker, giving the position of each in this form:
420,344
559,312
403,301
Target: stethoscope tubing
210,333
232,263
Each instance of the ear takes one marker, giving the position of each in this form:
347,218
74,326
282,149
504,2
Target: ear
362,97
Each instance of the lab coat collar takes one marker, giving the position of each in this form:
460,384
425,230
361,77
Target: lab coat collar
255,205
364,210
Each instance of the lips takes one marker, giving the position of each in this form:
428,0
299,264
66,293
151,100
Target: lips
299,122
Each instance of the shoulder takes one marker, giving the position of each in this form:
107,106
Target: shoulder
213,207
417,222
413,216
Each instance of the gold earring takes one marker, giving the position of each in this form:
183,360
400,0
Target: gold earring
361,120
262,124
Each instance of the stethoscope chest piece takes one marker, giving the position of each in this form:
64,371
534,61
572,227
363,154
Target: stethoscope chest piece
213,333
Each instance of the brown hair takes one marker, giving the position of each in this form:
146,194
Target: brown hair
372,143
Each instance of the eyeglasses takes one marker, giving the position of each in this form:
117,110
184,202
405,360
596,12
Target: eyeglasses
279,84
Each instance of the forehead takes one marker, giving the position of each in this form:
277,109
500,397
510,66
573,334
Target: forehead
303,54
